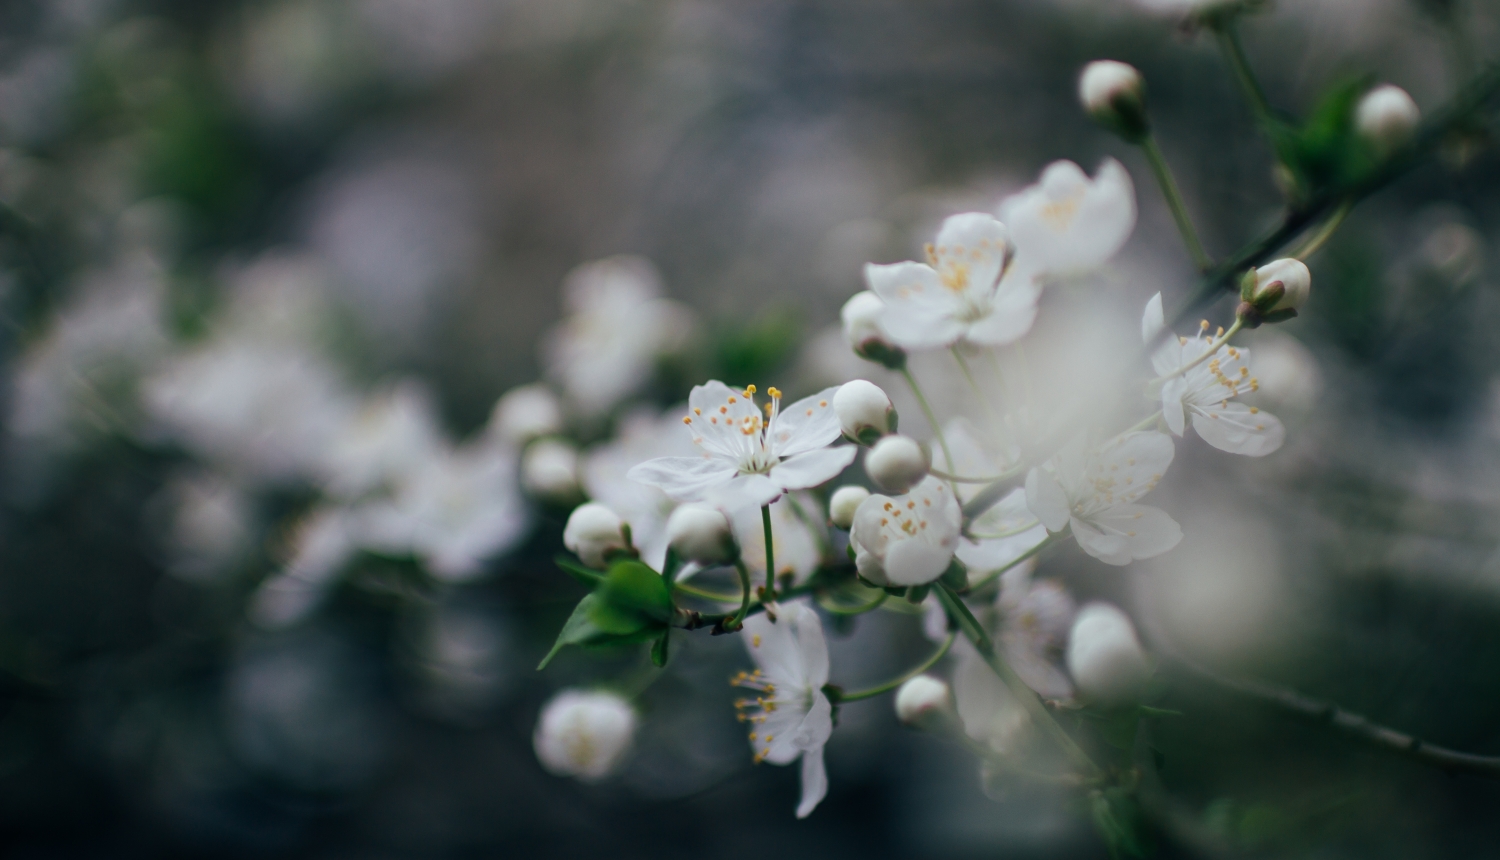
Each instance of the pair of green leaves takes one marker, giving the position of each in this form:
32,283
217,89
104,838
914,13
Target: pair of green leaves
631,603
1326,153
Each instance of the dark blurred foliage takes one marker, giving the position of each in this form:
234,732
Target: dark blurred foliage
140,715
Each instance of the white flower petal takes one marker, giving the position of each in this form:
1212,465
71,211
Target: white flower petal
920,313
1067,223
1171,405
813,468
1107,546
717,413
741,492
814,781
915,562
1153,320
685,479
1045,497
806,425
1012,312
1239,429
1133,532
971,250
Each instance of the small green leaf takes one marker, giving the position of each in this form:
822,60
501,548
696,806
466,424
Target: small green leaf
583,574
578,630
632,598
659,649
1148,711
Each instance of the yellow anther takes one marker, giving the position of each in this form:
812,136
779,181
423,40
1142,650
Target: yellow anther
1220,332
731,400
755,641
697,411
1203,325
687,419
749,390
773,391
1255,410
821,403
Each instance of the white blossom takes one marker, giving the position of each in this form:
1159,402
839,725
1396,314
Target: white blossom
593,531
701,533
394,433
1008,529
1205,391
920,697
959,293
549,470
748,460
861,317
790,716
908,539
453,515
1105,657
1094,491
584,734
1104,84
897,463
1068,223
862,406
1294,281
619,323
844,503
641,435
322,544
1387,116
1035,617
525,413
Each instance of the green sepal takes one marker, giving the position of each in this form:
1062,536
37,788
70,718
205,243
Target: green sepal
1278,316
869,436
895,590
632,598
917,593
893,357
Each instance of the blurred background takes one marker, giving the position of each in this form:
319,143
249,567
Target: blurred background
232,234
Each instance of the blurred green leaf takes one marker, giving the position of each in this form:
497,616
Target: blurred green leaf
1325,152
747,352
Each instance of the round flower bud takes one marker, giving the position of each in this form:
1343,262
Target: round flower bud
861,318
525,413
845,501
593,531
920,697
1104,656
1280,285
1114,94
702,534
897,463
865,412
1387,116
549,470
583,734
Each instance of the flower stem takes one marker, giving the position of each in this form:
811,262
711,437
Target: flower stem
993,575
1234,54
937,429
1144,423
1207,353
984,401
959,479
965,620
765,521
876,603
1320,238
896,682
744,572
1175,202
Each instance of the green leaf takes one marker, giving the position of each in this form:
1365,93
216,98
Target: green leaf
1118,817
632,598
659,649
578,630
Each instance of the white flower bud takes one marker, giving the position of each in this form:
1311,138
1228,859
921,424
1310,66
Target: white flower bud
1295,284
1104,656
584,734
549,470
921,696
1387,116
865,412
525,413
845,501
1114,94
861,318
897,463
701,533
592,531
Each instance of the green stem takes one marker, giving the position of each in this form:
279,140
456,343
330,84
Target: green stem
1318,239
993,575
965,620
988,496
819,529
744,572
959,479
1175,202
1234,54
937,429
880,598
896,682
765,521
1145,423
